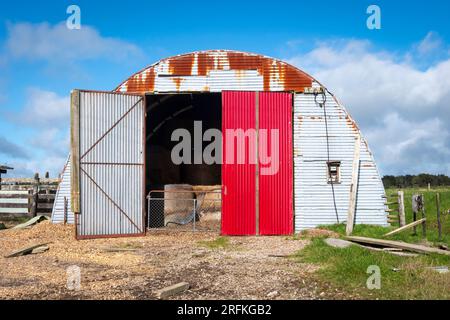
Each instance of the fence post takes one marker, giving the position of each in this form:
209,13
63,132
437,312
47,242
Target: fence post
424,224
401,208
438,210
65,210
415,210
35,197
195,212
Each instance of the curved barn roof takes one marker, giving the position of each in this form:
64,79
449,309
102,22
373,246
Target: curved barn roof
217,70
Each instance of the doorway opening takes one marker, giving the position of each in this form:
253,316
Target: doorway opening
188,189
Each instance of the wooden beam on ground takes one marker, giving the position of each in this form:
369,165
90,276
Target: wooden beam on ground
408,226
396,253
354,186
24,251
172,290
31,222
398,244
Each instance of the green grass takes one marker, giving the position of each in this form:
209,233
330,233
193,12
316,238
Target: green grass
218,243
430,213
408,235
346,268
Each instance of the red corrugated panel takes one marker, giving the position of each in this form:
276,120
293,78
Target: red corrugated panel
276,186
238,180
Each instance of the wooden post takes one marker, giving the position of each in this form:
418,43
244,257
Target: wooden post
65,210
75,150
424,224
353,187
35,196
415,210
438,210
401,208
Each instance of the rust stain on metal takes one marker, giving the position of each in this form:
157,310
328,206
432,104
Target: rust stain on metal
181,65
277,75
177,82
137,84
206,63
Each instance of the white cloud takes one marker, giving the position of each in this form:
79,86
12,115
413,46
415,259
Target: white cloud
401,108
430,43
27,169
47,116
411,146
56,43
45,109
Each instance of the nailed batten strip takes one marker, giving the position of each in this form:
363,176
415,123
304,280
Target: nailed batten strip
354,186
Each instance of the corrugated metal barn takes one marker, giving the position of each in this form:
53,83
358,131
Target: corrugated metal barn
121,144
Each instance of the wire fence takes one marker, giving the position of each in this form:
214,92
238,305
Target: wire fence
184,210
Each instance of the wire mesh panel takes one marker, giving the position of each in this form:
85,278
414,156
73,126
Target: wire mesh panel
175,211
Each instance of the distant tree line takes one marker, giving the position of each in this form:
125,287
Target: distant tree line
420,180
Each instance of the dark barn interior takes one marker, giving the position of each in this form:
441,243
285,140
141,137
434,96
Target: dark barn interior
166,113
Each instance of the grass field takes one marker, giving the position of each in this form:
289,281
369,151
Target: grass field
401,277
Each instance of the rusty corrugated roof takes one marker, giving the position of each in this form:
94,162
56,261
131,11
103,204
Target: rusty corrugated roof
276,75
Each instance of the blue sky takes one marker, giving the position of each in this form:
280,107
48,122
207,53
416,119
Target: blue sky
394,81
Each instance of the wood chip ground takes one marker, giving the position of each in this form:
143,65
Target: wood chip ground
245,269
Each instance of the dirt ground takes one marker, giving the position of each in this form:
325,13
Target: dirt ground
243,269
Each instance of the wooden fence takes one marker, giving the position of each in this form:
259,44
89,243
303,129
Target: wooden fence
27,197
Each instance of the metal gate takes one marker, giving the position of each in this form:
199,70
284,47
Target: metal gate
258,193
108,150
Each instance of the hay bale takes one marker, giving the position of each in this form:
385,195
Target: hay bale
179,201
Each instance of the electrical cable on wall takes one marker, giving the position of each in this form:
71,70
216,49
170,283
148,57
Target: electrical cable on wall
322,104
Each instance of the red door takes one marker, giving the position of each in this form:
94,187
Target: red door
275,164
257,165
238,177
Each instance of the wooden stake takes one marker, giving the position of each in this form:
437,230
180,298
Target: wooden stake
415,209
35,196
424,225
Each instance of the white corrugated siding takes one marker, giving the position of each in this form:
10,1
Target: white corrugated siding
313,195
111,164
63,192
